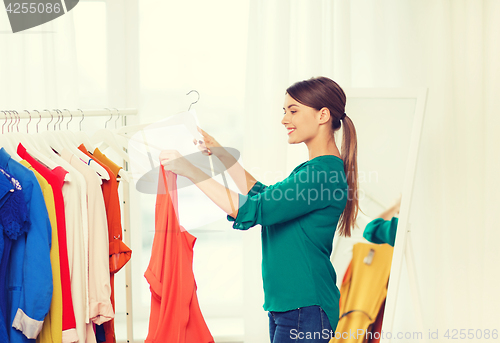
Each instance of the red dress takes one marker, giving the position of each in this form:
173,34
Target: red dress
175,313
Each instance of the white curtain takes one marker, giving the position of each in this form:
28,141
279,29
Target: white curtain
450,47
38,67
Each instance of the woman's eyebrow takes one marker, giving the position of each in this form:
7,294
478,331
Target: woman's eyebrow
291,106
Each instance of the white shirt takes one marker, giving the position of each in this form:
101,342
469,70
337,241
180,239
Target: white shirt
75,209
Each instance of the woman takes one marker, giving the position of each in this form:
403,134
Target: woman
298,215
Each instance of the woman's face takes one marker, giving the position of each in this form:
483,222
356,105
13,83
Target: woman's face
300,121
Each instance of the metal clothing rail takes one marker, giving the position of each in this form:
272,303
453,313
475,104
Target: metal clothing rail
51,112
107,112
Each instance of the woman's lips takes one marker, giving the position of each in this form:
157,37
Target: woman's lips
289,132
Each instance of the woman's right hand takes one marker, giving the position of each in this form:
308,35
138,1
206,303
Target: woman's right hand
208,143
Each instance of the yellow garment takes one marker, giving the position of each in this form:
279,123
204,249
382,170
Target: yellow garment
52,324
363,291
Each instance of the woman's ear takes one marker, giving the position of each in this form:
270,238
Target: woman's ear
324,115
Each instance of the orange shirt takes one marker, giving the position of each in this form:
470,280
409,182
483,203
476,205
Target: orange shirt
175,312
119,253
115,168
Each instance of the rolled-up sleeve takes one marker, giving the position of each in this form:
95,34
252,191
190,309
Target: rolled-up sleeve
380,231
37,280
309,189
257,188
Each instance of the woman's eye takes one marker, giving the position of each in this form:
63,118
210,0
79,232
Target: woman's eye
293,111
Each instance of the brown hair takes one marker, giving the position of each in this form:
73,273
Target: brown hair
320,92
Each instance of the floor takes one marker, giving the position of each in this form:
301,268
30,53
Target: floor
224,330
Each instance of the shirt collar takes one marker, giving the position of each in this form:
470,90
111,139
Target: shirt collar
4,158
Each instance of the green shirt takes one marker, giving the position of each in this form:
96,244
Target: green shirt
381,231
299,217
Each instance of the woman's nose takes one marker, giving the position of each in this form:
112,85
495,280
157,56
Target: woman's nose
284,121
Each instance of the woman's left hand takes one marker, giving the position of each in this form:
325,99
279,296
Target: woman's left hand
172,160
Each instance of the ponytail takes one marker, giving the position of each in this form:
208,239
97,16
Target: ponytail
349,156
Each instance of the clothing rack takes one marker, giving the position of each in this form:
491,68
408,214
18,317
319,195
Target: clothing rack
49,113
10,115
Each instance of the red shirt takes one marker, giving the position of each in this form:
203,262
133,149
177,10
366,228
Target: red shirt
55,178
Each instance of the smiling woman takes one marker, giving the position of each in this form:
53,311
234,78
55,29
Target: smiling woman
314,110
298,229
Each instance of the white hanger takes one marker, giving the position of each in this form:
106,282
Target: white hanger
9,140
7,145
38,154
123,174
28,140
110,139
188,118
43,150
82,137
31,146
68,142
66,137
51,137
103,173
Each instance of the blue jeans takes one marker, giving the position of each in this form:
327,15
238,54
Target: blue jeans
306,325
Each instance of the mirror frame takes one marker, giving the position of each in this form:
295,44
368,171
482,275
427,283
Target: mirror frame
402,246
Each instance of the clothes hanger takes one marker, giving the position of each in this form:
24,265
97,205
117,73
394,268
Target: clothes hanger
187,118
122,172
43,151
51,137
12,135
6,143
17,137
41,142
82,137
110,139
68,135
54,152
64,136
51,146
148,182
25,138
72,147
